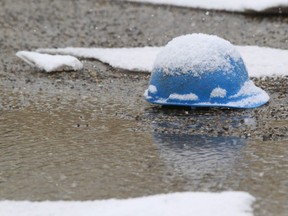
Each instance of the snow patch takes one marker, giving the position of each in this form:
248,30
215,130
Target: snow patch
185,97
196,54
161,101
259,61
251,95
152,89
218,92
264,61
134,59
228,5
248,89
180,204
50,63
262,97
146,94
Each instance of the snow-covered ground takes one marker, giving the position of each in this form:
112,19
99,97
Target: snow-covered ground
134,59
228,5
260,61
180,204
50,63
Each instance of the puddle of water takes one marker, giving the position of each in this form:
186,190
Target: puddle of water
230,163
206,162
262,170
87,154
279,123
73,155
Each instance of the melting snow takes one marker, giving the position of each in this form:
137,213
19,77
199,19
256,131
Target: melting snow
264,61
254,95
160,100
248,102
196,53
191,97
180,204
50,63
259,61
248,89
228,5
152,89
138,59
218,92
146,94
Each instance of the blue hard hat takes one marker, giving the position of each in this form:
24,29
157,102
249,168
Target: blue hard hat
202,70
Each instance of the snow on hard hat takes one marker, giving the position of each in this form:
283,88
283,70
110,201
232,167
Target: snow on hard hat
202,71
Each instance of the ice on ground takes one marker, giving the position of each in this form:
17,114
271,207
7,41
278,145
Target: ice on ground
196,54
50,63
228,5
134,59
180,204
259,61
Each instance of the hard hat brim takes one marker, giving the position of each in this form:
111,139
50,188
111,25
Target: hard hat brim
255,97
